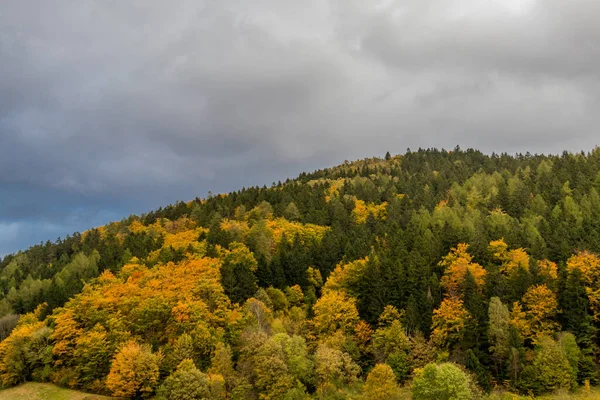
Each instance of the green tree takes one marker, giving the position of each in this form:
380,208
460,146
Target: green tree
498,332
441,382
186,383
550,370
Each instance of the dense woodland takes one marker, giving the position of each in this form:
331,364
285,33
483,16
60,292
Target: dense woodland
442,271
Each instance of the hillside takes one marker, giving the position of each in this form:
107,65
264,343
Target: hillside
342,283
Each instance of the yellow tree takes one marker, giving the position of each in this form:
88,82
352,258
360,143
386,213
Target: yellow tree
589,265
449,322
518,319
540,309
456,264
381,384
512,260
334,311
134,371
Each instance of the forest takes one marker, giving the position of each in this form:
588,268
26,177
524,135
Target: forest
435,274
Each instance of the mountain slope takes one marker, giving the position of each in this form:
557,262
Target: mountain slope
479,259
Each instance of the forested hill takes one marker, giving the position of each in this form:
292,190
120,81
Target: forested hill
341,283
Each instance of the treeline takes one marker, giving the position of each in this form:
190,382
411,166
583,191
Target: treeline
484,261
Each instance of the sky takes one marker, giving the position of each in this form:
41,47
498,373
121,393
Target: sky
114,107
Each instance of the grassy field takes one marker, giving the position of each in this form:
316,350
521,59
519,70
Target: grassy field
581,394
45,391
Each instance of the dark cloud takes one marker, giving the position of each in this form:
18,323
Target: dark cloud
113,107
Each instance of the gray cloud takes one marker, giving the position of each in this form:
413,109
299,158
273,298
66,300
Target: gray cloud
113,107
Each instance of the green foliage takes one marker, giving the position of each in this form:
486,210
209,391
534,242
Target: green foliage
550,370
441,382
186,383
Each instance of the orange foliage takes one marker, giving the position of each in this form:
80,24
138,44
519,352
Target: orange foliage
538,318
547,269
456,264
134,371
160,302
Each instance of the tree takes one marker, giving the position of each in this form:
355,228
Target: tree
7,324
550,370
182,349
26,353
456,266
381,384
93,352
392,346
334,311
589,265
273,379
333,367
134,371
297,357
186,383
291,212
498,331
568,344
449,321
237,273
441,382
541,308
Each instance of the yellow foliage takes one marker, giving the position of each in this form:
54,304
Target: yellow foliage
13,367
456,264
137,227
362,335
183,239
239,229
548,269
184,295
66,332
334,311
498,248
540,309
518,319
306,232
334,188
134,371
511,260
345,275
381,384
449,321
362,210
589,265
276,228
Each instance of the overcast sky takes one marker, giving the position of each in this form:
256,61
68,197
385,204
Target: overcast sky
112,107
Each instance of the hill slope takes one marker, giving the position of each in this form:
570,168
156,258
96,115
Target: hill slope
485,261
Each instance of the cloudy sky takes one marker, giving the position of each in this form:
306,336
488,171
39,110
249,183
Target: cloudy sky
112,107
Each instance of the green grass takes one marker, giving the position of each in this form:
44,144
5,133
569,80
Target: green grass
45,391
581,394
